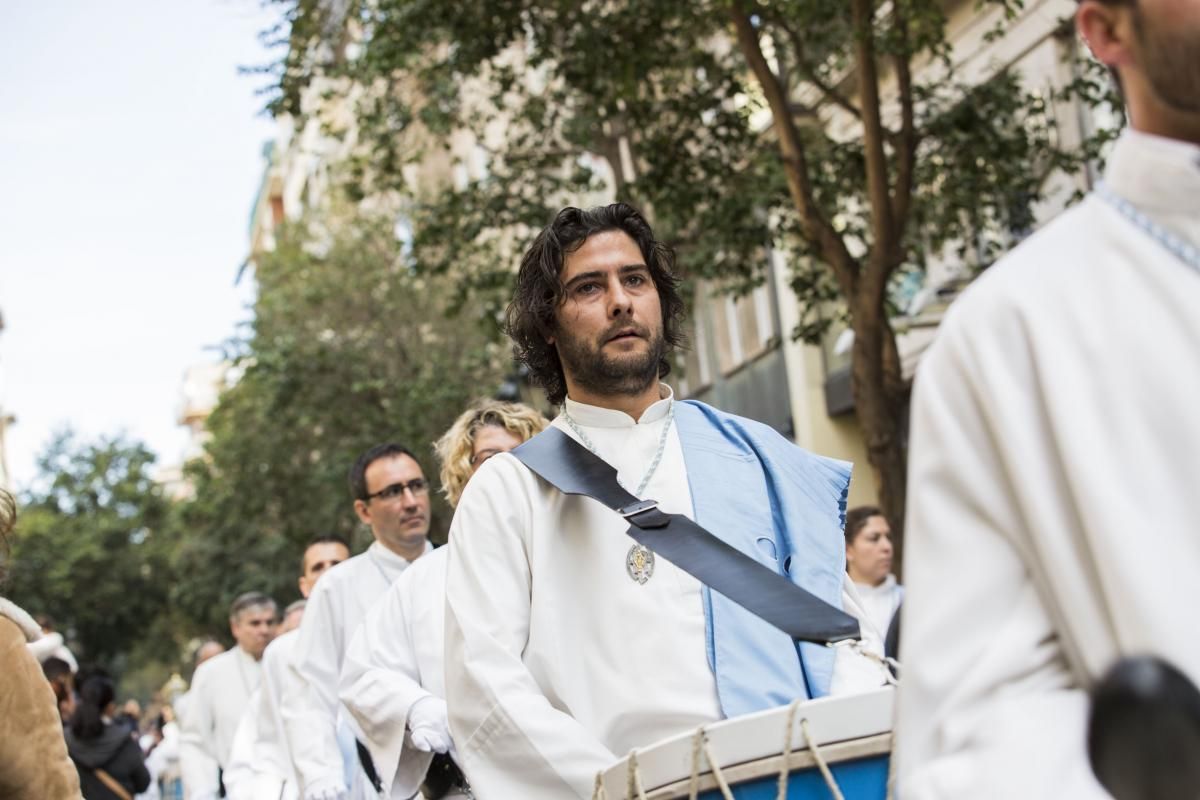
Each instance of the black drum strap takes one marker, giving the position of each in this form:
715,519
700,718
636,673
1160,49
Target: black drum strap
573,469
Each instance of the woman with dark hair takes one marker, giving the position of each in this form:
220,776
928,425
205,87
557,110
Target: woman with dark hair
33,758
109,761
869,564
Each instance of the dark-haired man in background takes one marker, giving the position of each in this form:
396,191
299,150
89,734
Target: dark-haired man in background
567,642
391,496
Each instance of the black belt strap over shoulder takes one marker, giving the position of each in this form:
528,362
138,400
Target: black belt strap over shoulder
368,765
573,469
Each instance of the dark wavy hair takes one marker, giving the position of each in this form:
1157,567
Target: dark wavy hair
357,476
856,520
96,692
530,319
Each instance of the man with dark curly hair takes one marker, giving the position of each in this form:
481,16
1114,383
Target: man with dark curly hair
568,642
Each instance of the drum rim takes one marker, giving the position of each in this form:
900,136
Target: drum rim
734,774
660,763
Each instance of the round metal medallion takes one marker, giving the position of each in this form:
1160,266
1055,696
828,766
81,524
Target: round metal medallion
639,563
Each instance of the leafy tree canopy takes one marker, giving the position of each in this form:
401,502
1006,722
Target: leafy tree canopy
348,349
834,131
93,547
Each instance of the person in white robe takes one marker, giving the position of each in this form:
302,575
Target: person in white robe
391,496
565,644
392,679
260,764
1054,430
221,688
869,554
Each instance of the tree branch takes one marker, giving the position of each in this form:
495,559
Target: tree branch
809,71
878,195
906,142
815,227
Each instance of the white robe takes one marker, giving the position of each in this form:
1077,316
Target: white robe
879,604
394,660
259,751
334,610
220,690
1052,483
545,690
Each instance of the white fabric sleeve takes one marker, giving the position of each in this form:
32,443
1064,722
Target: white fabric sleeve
309,702
853,672
44,647
238,775
987,706
511,739
198,765
379,686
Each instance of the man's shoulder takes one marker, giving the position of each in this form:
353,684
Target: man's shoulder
699,419
215,667
1053,265
280,646
501,476
432,560
717,418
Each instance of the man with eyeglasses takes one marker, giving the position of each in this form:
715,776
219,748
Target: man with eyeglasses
391,496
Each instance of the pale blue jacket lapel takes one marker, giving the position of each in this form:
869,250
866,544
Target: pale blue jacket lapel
785,507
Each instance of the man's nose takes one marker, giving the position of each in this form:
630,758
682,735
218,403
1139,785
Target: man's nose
620,302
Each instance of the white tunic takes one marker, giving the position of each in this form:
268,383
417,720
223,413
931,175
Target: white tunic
395,659
334,610
542,622
879,604
260,751
1052,472
220,690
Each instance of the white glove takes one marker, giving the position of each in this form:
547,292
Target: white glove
427,725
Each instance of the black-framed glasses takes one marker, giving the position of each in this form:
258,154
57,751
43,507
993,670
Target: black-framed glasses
418,486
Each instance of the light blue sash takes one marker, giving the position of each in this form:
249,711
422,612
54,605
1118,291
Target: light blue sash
786,508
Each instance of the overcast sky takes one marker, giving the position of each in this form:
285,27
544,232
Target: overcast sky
130,154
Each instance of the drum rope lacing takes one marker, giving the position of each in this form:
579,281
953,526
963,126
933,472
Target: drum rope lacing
700,745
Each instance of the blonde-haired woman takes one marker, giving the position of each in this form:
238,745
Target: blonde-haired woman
483,430
392,678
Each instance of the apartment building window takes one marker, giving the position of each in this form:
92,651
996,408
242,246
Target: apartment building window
744,327
697,375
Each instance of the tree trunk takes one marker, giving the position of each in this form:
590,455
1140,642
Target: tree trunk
881,402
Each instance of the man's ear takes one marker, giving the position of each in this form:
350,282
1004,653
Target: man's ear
1108,30
232,628
360,508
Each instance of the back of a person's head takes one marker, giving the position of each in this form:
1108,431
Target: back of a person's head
58,673
96,693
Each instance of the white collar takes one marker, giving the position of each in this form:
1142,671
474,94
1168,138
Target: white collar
244,654
390,560
889,583
1155,173
600,417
